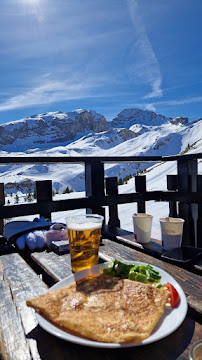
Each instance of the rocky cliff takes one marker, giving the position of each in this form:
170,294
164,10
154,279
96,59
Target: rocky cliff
50,129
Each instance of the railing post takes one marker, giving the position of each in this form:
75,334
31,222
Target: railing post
94,183
2,202
44,193
199,221
172,185
140,185
111,189
187,181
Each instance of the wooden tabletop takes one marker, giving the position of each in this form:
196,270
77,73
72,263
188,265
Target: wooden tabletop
23,277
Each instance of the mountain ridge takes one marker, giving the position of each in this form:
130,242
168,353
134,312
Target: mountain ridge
140,132
64,127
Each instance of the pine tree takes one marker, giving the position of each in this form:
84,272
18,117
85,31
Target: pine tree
68,190
120,181
16,198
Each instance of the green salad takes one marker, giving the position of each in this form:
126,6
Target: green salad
142,273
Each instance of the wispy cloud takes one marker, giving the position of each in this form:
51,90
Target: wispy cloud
188,100
143,63
150,107
50,92
184,101
156,89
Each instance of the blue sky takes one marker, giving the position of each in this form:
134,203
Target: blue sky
104,55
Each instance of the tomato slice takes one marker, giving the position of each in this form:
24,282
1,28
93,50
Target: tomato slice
174,297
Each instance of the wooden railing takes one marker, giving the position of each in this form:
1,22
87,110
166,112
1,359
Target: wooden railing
184,192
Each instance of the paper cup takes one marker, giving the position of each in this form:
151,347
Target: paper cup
142,227
171,232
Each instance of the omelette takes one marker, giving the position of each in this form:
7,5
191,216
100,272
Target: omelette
104,308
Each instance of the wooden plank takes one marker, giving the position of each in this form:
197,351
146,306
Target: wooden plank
140,184
199,220
111,232
127,237
21,338
191,283
112,188
56,266
154,247
17,320
2,202
172,184
7,211
187,181
91,159
43,194
94,185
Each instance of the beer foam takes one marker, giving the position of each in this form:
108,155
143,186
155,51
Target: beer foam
83,227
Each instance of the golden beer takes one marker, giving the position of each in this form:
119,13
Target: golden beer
84,241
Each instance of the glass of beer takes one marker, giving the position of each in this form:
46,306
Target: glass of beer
84,240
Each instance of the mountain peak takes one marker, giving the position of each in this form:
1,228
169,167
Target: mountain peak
128,117
180,120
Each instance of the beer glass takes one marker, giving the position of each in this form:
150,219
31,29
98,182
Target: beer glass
84,240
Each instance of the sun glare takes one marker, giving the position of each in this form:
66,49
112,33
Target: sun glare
31,2
34,7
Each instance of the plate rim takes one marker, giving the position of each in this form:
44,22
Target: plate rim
56,331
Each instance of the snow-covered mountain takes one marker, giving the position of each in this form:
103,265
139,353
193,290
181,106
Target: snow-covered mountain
45,130
129,117
50,129
87,133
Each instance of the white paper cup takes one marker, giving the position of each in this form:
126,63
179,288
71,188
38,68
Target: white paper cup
142,227
171,232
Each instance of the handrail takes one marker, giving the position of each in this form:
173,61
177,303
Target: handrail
184,190
103,159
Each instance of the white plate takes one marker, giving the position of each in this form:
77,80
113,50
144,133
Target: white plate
170,321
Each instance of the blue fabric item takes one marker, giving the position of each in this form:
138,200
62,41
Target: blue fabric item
30,240
40,219
15,229
40,238
34,240
30,233
20,242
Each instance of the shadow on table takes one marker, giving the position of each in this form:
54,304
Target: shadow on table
49,347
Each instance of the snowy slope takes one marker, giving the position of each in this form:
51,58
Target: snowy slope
133,132
166,139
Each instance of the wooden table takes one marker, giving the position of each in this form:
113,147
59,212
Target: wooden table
23,277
